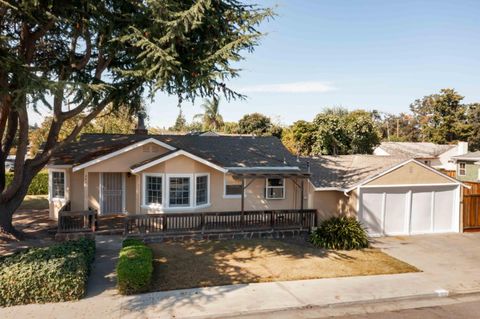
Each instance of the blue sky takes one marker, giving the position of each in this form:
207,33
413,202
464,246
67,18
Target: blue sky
356,54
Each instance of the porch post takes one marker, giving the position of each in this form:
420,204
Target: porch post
85,189
301,194
242,217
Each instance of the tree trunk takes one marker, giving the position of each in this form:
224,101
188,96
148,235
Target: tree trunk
7,210
9,206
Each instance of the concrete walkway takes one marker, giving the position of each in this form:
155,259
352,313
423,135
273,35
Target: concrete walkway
449,264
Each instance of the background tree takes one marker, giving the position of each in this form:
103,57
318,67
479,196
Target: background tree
210,118
300,137
442,117
255,123
401,127
362,132
230,127
70,59
180,123
338,131
474,120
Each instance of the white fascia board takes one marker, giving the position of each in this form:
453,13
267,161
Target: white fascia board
453,180
263,167
52,166
326,189
123,150
175,154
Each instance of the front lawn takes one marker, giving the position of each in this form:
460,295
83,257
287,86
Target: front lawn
179,265
36,202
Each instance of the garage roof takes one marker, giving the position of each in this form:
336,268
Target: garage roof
345,171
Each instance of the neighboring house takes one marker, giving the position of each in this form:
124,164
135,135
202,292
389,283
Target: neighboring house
143,174
435,155
468,167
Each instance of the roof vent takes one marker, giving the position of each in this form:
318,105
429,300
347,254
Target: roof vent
140,129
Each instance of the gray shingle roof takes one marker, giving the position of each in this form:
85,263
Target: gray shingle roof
346,171
415,149
226,151
472,156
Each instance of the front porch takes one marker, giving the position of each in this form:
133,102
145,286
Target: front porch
174,224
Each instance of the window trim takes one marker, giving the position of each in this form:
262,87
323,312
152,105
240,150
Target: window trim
278,187
460,169
144,195
208,189
50,185
191,192
225,196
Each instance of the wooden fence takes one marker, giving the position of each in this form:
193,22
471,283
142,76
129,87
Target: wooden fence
471,207
211,222
76,221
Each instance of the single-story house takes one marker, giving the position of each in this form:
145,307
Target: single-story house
438,156
143,174
468,167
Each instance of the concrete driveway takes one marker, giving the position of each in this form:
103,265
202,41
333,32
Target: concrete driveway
451,260
449,264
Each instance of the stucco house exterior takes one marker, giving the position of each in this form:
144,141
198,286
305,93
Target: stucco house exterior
468,167
435,155
138,174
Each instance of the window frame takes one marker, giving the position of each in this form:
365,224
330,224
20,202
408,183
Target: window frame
144,195
208,189
50,185
460,168
225,189
191,191
275,187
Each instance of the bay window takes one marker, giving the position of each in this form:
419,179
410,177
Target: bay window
153,190
201,189
179,191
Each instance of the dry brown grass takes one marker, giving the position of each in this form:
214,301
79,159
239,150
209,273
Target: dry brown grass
191,264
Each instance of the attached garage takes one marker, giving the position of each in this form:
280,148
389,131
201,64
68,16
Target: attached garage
389,196
410,199
410,210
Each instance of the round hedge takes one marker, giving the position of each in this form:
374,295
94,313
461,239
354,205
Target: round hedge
342,233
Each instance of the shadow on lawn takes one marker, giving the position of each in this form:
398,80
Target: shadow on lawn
224,266
180,265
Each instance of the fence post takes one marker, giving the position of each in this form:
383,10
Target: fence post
126,226
272,220
164,223
202,222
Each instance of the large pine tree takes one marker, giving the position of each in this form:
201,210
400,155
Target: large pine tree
90,54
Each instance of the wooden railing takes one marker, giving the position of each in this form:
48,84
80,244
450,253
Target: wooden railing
210,222
76,221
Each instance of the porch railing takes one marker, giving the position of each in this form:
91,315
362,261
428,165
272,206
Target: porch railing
76,221
211,222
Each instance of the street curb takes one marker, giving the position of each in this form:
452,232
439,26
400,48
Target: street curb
437,294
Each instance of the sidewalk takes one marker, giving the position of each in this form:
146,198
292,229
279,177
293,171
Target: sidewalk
449,264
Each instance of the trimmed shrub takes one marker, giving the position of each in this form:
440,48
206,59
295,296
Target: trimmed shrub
343,233
52,274
134,268
132,242
39,185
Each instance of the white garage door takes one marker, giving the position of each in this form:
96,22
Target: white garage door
409,210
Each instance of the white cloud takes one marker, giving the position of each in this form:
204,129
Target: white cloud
292,87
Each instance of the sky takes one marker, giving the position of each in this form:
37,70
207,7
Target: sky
356,54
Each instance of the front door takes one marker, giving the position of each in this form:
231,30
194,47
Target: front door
112,191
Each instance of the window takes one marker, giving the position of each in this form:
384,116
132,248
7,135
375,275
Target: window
58,185
153,190
275,188
462,169
179,192
202,190
233,187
